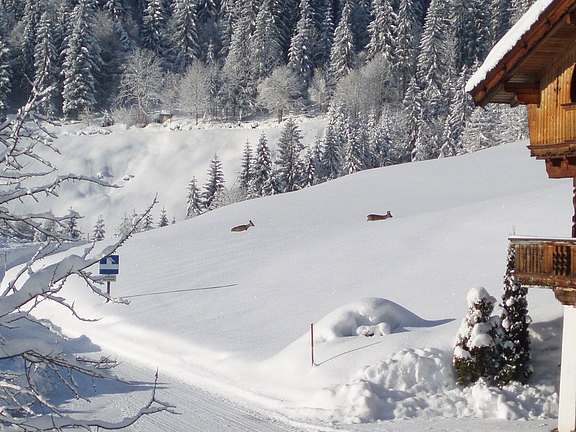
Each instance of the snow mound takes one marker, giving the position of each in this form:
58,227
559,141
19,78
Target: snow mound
419,383
371,316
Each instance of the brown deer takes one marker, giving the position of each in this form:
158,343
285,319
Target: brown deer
242,227
375,217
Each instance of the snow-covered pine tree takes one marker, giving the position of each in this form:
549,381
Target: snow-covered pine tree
46,64
5,78
99,232
194,206
343,53
148,222
163,220
309,169
501,16
412,107
353,157
153,30
71,225
28,40
476,351
262,181
382,31
290,170
246,169
331,151
185,45
265,46
478,132
116,9
301,47
215,184
81,62
407,36
124,228
515,338
325,32
238,90
460,110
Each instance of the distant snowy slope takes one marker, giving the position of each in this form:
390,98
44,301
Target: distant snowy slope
237,307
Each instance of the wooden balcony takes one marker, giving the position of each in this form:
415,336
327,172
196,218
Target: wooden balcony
547,263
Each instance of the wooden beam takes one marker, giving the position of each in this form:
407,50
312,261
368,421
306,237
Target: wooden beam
524,93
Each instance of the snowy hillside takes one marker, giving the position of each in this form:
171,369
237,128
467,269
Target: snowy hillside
232,311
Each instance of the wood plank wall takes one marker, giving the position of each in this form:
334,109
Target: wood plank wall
549,121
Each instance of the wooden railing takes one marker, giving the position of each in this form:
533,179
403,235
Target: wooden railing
547,263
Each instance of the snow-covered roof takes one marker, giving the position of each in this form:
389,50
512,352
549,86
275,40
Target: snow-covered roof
508,41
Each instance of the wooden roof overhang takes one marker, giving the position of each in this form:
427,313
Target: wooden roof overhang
515,79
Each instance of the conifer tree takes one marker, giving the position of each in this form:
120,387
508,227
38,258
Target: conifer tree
246,172
515,338
382,30
163,221
71,225
5,78
330,160
289,162
406,43
301,47
265,46
99,232
148,222
81,63
353,158
185,47
116,9
343,54
194,206
154,26
31,18
262,181
46,64
215,184
325,32
476,352
309,169
460,110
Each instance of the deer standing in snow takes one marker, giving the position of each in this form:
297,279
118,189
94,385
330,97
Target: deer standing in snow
375,217
242,227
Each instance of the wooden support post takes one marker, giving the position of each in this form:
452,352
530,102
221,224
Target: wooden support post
567,402
312,343
574,204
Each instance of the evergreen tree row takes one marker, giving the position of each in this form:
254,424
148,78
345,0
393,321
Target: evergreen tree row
405,59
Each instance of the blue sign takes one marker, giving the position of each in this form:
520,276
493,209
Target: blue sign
110,265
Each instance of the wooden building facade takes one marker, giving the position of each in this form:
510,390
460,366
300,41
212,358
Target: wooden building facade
535,64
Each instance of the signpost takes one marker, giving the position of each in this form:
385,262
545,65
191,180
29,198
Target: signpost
109,267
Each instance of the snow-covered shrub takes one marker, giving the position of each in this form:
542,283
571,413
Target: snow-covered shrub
515,352
476,351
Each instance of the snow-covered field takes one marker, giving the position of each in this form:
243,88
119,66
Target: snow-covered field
231,312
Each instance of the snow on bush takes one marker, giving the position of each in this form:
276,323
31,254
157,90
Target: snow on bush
420,383
368,317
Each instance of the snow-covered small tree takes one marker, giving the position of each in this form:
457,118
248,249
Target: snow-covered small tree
71,226
476,351
195,89
99,229
290,169
247,168
194,203
515,351
141,82
215,184
280,92
262,180
148,222
163,220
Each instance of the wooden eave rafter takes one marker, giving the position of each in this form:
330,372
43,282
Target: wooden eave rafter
508,72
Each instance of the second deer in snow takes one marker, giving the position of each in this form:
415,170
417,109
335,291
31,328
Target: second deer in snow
375,217
242,227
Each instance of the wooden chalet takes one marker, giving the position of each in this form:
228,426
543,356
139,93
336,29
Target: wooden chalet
535,65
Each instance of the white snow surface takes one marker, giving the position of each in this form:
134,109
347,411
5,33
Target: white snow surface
231,312
507,42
